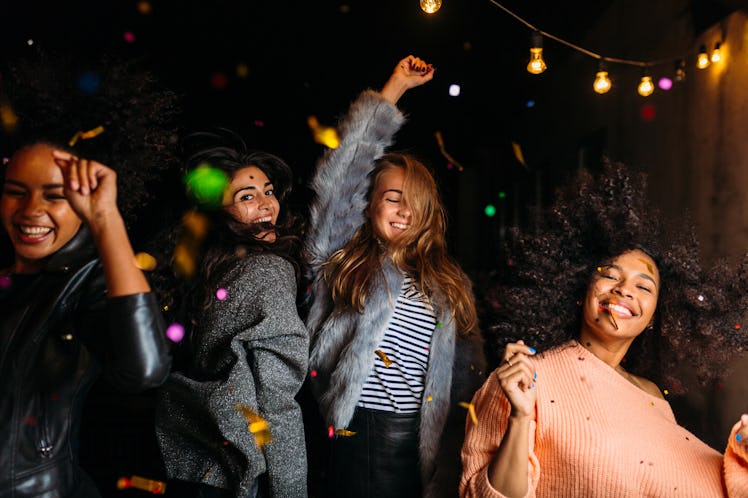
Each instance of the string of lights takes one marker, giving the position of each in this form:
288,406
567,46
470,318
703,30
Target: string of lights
602,83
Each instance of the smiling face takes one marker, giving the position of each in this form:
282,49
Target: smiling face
621,299
389,211
249,198
33,208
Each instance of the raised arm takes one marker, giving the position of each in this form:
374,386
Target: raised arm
91,190
736,459
340,182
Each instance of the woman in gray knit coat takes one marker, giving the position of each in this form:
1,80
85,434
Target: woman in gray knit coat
228,424
395,345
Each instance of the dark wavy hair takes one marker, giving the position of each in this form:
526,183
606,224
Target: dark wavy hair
594,219
225,240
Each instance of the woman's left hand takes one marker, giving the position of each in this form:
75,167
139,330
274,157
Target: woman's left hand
742,434
90,187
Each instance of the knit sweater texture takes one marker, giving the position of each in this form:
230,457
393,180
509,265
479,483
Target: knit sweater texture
595,434
252,352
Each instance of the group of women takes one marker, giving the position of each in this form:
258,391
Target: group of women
389,346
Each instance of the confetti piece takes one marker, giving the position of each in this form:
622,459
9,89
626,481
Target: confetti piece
221,294
599,269
8,117
145,261
85,135
205,185
383,356
313,373
517,149
649,266
471,411
324,135
739,437
256,425
737,326
700,298
429,398
331,432
153,486
128,36
4,282
175,332
345,432
440,142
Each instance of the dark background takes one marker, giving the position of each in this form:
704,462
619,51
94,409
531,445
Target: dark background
312,58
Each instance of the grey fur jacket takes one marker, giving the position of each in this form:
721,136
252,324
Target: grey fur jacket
252,351
343,343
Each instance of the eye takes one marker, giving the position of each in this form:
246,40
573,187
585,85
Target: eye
55,197
392,200
644,288
247,197
12,192
269,192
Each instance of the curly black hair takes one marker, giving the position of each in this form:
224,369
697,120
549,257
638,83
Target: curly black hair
50,96
592,220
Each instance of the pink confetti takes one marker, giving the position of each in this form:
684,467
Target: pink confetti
175,332
221,294
129,36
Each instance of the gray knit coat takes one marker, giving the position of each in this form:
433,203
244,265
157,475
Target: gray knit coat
253,350
343,343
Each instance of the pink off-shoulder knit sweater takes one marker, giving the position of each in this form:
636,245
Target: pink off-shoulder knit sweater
597,435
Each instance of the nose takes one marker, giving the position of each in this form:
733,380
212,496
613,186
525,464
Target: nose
622,288
32,206
403,211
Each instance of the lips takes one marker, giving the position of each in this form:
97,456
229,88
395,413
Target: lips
617,309
31,234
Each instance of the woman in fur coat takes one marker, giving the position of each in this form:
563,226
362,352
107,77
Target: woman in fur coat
395,341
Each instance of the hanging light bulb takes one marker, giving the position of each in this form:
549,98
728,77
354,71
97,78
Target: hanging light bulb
646,86
716,54
430,6
536,64
602,81
680,70
702,60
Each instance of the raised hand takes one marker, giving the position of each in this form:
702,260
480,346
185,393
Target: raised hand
409,73
517,378
90,187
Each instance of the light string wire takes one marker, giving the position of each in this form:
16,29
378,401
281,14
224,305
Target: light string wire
630,62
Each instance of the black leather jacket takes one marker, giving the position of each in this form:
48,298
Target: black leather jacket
58,333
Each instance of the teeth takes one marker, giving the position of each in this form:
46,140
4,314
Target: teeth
619,309
265,219
400,226
34,231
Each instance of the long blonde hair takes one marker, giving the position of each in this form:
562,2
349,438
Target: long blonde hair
420,251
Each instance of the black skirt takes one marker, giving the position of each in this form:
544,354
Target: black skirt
380,460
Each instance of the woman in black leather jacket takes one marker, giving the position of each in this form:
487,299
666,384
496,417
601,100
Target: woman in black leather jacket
73,306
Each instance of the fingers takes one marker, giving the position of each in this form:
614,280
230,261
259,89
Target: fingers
516,367
82,175
742,435
416,65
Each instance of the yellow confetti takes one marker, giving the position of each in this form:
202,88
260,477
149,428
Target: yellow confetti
649,266
471,411
145,261
387,361
325,135
345,432
429,398
8,117
256,425
150,485
517,149
85,135
447,156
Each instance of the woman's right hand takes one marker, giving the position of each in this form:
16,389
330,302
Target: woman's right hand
409,73
517,378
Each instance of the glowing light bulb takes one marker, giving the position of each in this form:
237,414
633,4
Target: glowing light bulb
602,82
680,70
536,64
430,6
702,60
716,54
646,86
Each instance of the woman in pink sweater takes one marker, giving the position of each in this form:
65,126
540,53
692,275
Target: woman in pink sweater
577,418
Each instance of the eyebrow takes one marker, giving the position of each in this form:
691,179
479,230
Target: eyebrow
641,274
46,186
393,190
249,187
